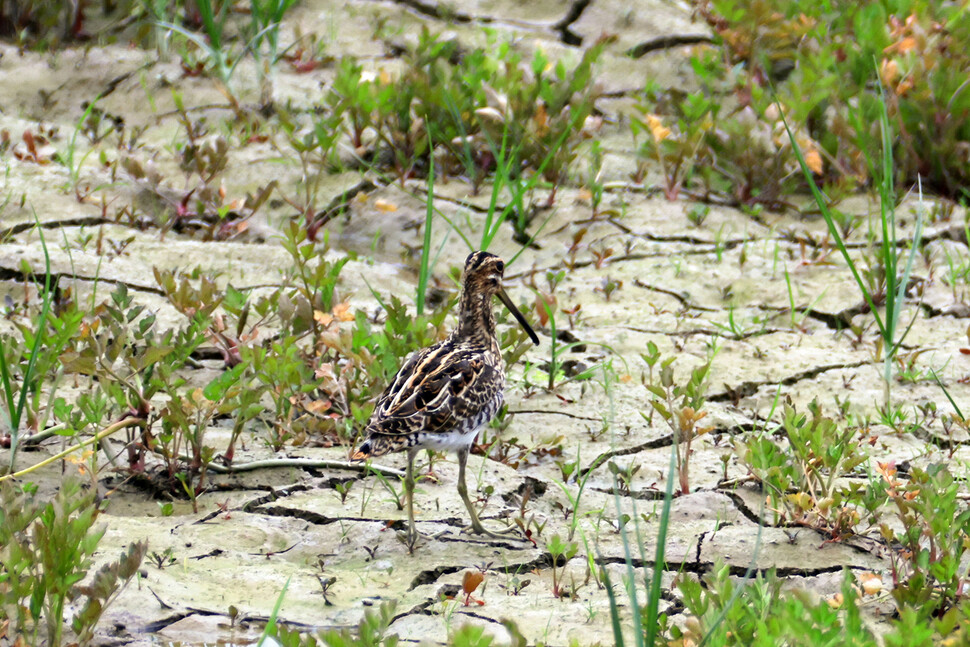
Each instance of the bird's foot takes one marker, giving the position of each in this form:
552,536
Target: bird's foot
506,534
432,476
411,538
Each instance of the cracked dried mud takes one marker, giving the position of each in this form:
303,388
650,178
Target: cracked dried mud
685,288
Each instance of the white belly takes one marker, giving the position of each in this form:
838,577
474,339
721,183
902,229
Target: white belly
448,442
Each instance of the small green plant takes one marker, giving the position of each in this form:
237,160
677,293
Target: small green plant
681,407
343,490
795,317
70,158
594,183
163,559
571,471
14,401
677,149
929,570
282,372
372,631
46,550
804,478
315,148
134,362
560,553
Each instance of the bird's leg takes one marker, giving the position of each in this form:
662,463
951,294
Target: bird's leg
412,536
476,526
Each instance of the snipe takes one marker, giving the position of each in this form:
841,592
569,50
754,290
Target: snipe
445,393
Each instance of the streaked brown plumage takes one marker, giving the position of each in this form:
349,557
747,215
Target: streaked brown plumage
444,393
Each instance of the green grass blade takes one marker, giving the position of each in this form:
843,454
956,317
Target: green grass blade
907,272
456,229
521,189
270,628
34,351
946,392
659,560
887,212
8,391
466,147
426,247
500,176
195,38
832,226
531,240
618,640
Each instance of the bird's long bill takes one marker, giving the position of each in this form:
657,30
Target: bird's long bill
518,316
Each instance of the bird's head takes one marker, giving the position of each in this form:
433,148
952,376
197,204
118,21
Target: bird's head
483,275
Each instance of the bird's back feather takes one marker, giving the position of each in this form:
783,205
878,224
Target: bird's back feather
451,387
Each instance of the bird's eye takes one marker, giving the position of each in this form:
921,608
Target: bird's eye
500,267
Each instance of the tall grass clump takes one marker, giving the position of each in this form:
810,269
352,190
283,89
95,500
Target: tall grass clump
14,396
892,293
820,60
812,63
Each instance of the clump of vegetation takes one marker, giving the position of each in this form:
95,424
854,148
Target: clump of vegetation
804,476
46,551
763,612
814,67
42,22
486,109
681,406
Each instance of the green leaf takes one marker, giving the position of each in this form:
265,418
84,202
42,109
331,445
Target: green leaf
216,389
152,355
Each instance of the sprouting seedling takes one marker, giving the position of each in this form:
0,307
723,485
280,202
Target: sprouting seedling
560,551
582,478
343,490
470,581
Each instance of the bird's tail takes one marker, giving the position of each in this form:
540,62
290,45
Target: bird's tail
361,453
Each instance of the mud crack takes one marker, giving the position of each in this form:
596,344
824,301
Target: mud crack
666,42
567,35
432,575
306,515
747,389
273,495
91,221
39,278
700,568
553,413
657,443
683,299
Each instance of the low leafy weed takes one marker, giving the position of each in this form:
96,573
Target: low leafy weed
804,478
681,407
46,550
372,631
928,569
762,612
560,553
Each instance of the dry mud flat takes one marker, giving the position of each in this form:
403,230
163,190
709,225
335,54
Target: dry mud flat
642,276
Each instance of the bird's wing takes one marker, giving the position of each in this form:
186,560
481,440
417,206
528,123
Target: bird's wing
435,391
